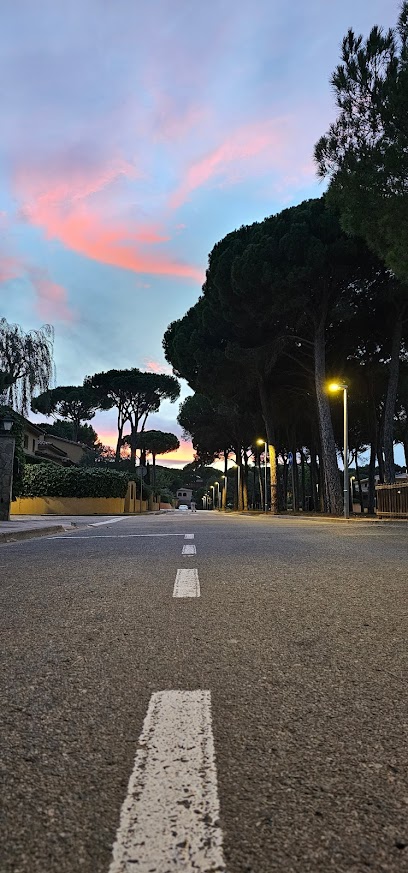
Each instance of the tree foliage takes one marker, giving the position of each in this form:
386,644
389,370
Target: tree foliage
26,363
74,403
135,394
287,304
365,152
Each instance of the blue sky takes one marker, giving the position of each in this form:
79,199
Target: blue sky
134,137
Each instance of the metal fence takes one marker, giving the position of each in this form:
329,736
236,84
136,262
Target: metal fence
392,500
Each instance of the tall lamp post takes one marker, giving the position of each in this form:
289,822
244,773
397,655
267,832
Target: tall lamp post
341,386
217,485
224,485
7,445
265,444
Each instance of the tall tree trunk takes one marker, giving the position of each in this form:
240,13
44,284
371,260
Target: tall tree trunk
360,489
303,478
380,459
314,479
225,488
238,458
285,484
133,440
390,401
261,489
245,483
334,497
371,477
267,414
119,441
295,480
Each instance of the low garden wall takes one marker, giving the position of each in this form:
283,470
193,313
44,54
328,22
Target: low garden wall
68,506
49,489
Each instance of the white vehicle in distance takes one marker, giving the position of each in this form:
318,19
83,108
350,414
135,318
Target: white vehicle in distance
183,507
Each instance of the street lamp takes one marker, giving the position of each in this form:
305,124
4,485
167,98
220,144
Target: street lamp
217,485
352,480
264,443
224,485
341,386
6,424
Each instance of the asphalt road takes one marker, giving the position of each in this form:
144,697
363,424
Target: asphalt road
299,635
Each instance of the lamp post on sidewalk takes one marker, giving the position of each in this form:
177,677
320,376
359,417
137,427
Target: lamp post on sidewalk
217,485
264,443
224,485
341,386
7,446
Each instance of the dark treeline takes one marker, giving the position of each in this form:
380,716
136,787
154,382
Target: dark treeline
316,292
289,304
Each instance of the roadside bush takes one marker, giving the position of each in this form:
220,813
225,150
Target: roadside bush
52,480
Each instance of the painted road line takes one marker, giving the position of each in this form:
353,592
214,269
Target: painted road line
187,584
188,536
110,536
188,550
169,820
112,520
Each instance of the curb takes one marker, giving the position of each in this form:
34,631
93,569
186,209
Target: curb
14,536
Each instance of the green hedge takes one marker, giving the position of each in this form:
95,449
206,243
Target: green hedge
52,480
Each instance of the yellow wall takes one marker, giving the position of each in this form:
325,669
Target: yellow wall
82,505
68,506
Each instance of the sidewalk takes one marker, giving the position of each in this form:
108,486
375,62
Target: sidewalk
22,527
320,518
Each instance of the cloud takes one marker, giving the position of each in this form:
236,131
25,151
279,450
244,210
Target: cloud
10,268
51,299
51,303
156,367
69,209
229,160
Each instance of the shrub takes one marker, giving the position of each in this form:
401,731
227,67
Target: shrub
52,480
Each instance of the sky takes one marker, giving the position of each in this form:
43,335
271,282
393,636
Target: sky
136,135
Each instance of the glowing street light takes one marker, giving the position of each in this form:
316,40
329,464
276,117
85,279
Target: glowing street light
261,442
334,387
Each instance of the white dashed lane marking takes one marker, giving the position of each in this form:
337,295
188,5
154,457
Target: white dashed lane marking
112,536
189,550
169,820
187,584
188,536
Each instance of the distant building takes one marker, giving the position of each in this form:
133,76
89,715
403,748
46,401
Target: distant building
184,496
399,477
41,446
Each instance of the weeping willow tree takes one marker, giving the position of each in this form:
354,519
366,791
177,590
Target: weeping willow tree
26,363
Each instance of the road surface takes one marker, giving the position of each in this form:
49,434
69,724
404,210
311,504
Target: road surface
247,675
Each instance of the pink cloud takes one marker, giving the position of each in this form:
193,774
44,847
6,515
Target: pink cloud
64,210
10,268
51,298
227,161
51,301
155,367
